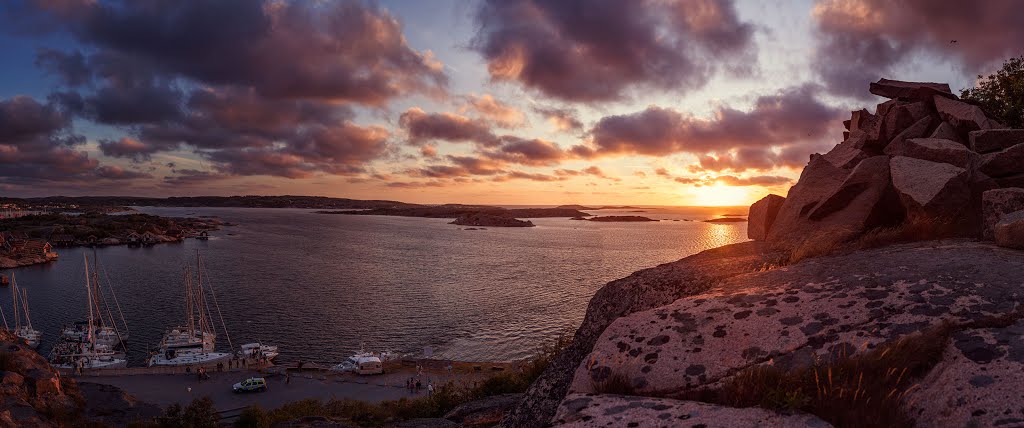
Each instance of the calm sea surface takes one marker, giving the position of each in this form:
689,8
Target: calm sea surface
319,285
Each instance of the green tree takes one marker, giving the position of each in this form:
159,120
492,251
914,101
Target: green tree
1001,95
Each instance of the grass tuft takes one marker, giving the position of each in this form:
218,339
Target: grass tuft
864,390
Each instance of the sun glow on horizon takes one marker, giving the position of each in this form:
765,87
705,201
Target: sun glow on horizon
720,195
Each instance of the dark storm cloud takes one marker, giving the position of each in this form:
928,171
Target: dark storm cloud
38,145
342,51
789,117
127,148
863,40
423,127
581,50
114,172
256,87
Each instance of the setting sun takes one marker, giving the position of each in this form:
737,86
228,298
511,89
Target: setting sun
720,195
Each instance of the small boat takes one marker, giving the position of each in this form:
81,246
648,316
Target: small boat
258,349
90,344
363,362
87,355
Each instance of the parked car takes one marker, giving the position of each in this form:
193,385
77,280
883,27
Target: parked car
253,384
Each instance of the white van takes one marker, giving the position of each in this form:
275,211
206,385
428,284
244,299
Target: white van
367,365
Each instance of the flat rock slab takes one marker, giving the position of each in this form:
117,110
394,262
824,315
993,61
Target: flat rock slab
964,117
993,140
933,149
977,383
920,91
586,410
816,309
938,189
1003,163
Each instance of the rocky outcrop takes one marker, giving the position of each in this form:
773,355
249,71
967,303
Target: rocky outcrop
681,330
599,411
32,394
484,412
762,215
849,189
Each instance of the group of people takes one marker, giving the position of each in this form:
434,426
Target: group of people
414,385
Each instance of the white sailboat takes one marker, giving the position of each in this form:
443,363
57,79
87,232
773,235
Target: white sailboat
103,326
194,342
23,330
258,349
87,354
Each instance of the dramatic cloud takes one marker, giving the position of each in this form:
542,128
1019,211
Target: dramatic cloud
423,127
114,172
562,119
127,148
341,51
792,116
760,180
527,152
495,111
582,50
37,145
862,40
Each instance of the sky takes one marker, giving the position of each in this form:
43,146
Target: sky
647,102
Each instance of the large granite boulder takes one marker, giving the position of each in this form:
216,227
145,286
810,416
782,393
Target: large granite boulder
933,149
962,116
819,179
762,215
915,91
917,130
1003,163
864,200
900,118
993,140
1009,232
936,189
601,411
997,203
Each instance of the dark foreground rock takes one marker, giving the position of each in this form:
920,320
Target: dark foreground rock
762,216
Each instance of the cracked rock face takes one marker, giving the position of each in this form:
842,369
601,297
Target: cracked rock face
815,310
583,410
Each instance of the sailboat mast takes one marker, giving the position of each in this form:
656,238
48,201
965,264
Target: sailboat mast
88,295
14,302
24,303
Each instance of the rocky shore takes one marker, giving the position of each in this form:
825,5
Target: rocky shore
617,218
883,290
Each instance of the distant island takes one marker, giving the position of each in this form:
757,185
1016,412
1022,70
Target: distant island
616,218
606,207
726,220
457,210
490,220
91,203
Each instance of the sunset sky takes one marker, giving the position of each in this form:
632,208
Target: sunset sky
690,102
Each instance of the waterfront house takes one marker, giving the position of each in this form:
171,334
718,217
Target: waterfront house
149,238
35,248
133,239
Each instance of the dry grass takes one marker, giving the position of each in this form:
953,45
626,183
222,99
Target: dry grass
616,383
916,227
865,390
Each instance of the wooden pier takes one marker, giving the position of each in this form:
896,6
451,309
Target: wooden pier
236,366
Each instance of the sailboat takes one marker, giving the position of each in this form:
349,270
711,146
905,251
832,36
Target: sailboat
103,326
20,303
195,341
87,353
